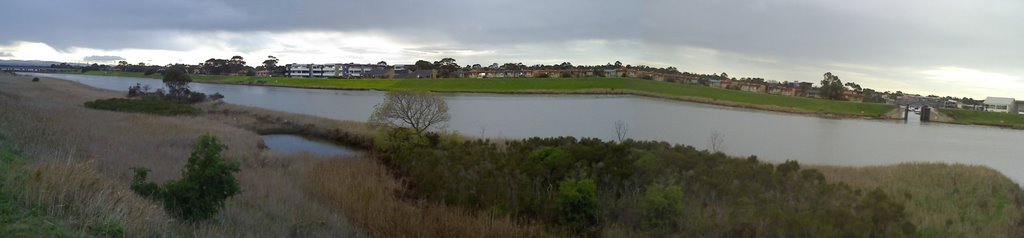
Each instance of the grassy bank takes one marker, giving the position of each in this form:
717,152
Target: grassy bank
695,93
984,118
20,218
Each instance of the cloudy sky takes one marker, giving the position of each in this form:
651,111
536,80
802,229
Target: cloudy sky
969,48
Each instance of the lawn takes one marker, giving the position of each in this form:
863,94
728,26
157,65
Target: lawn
567,85
985,118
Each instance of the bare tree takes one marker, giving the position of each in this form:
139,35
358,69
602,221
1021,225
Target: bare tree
417,110
621,128
716,141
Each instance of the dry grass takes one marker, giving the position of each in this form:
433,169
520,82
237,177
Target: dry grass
68,143
60,176
365,191
945,200
80,160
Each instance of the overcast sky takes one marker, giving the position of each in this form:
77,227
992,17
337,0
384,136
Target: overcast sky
971,48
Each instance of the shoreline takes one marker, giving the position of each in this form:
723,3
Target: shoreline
890,115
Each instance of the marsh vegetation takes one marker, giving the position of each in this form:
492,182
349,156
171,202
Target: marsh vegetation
427,185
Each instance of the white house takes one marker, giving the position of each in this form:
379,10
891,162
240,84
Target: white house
998,104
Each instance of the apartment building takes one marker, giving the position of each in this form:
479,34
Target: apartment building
349,70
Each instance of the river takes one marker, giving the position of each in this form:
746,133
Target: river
771,136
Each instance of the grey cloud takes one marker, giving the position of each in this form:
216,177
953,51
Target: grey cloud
6,54
980,34
103,58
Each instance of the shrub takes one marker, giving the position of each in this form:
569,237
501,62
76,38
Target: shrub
651,187
577,205
207,181
661,207
141,186
35,79
148,104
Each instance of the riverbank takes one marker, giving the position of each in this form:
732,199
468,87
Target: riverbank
625,86
969,117
358,191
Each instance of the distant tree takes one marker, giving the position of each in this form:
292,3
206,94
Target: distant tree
831,87
424,65
618,64
236,60
177,83
856,87
235,65
716,141
270,63
417,110
382,63
446,66
620,130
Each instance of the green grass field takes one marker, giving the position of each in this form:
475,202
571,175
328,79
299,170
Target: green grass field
985,118
567,85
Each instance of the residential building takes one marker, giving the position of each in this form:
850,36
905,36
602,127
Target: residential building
349,70
998,104
262,73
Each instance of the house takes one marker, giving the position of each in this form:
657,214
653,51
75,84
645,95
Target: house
418,74
853,96
714,83
950,103
752,87
998,104
262,73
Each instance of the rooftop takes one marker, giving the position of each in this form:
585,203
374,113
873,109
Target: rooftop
998,101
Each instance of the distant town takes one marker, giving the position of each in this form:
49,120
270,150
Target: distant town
831,87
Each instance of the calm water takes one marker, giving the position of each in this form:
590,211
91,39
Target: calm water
771,136
291,144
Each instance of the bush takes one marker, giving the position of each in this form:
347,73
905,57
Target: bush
148,104
648,186
207,182
661,207
35,79
577,205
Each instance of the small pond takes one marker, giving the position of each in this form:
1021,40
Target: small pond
292,144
